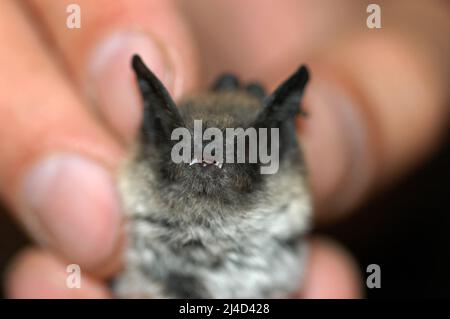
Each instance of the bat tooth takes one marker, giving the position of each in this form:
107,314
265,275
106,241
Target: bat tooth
194,161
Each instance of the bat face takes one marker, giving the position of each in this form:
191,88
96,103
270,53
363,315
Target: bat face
202,178
223,143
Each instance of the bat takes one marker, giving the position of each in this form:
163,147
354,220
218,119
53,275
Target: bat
211,228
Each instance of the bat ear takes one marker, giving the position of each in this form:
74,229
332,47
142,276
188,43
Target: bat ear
283,104
160,115
281,107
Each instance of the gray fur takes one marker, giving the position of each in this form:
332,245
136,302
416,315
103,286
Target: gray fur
219,233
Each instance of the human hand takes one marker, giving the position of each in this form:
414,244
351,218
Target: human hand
376,106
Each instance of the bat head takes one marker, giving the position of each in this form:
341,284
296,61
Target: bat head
211,153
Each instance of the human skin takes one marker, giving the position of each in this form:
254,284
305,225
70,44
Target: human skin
377,104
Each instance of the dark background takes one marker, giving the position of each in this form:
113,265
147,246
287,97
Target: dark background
405,230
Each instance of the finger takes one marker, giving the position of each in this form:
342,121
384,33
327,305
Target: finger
255,38
99,53
37,274
378,106
330,273
377,100
56,162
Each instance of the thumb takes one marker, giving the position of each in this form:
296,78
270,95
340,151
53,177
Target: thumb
378,106
100,51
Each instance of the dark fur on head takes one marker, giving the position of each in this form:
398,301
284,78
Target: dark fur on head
227,106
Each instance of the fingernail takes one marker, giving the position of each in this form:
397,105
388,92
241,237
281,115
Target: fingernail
75,206
113,82
335,140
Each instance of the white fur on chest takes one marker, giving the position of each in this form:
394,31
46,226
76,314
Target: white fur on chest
251,262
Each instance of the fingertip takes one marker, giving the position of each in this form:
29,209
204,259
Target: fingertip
100,52
331,273
337,145
377,107
112,83
36,274
71,205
